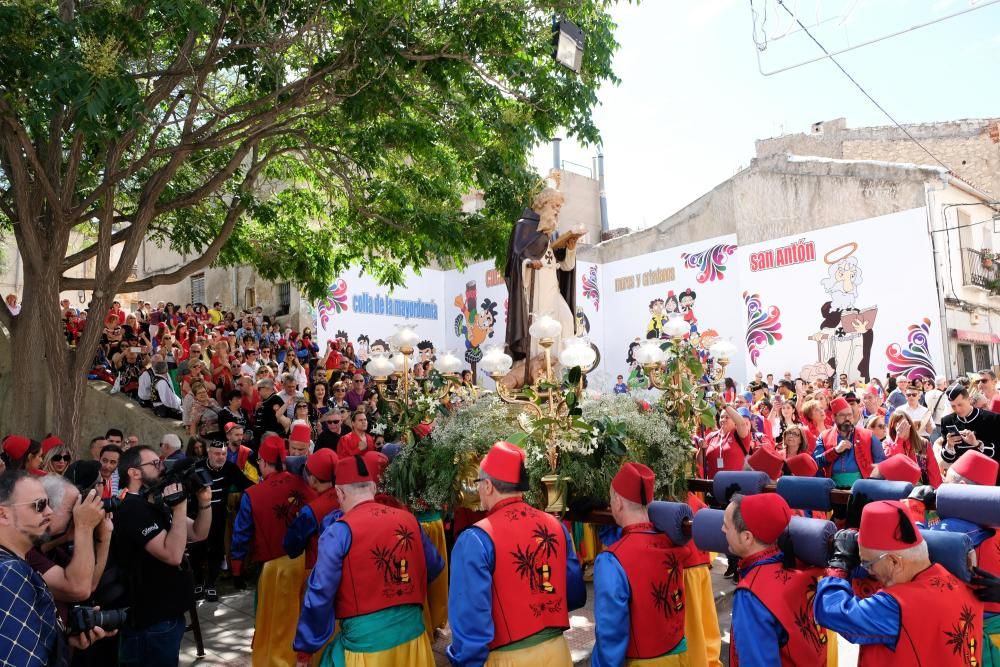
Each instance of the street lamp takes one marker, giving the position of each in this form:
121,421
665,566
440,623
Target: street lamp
547,400
567,42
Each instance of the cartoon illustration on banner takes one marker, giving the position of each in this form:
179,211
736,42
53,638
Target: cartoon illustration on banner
846,334
475,324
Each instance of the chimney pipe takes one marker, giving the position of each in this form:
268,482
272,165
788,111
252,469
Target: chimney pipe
604,200
556,159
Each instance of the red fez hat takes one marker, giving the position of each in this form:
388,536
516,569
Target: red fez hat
322,464
872,389
300,432
505,462
767,461
766,515
977,467
16,447
377,462
886,526
231,425
634,482
899,468
803,465
839,404
50,443
272,450
353,469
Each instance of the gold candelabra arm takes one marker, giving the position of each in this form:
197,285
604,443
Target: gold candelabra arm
656,375
515,398
383,393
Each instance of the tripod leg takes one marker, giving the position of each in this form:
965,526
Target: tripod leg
195,627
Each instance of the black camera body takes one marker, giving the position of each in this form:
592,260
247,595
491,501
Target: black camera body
185,472
111,504
84,619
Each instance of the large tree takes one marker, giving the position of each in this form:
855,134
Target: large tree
297,137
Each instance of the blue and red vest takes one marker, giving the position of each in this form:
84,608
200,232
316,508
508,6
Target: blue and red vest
950,635
529,572
655,571
322,505
385,565
788,595
862,450
988,558
275,503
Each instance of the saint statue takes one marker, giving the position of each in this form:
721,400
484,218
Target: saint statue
540,276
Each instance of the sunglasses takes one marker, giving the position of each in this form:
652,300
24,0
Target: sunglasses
912,395
867,565
62,457
39,504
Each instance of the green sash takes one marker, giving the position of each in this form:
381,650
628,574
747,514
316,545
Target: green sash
991,652
371,633
845,480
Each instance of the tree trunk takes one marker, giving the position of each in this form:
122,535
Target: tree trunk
48,379
28,399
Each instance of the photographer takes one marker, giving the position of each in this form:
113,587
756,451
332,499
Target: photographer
150,539
30,634
74,553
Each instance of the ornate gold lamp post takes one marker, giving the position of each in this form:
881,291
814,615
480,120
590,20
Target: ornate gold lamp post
546,400
382,367
666,370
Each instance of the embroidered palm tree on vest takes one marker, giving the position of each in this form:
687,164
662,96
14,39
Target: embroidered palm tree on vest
287,511
532,561
963,637
394,570
806,622
668,596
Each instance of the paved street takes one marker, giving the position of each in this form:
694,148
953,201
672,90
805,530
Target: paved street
227,627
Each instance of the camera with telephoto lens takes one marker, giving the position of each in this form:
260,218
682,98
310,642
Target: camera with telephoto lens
111,504
84,619
185,472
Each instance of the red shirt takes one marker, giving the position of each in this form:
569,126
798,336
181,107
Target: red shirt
995,403
729,448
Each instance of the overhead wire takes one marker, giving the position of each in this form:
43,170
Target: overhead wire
888,115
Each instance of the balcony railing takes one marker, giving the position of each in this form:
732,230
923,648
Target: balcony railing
981,269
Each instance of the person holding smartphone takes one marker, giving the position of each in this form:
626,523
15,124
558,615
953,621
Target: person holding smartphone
968,428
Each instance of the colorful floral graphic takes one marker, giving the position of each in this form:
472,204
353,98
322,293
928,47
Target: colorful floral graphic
711,263
590,288
334,303
914,360
762,325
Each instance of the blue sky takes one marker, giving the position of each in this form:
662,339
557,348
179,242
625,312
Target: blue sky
692,101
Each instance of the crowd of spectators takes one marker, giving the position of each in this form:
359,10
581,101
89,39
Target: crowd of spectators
207,367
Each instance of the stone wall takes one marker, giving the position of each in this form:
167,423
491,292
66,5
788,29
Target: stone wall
779,196
102,410
970,147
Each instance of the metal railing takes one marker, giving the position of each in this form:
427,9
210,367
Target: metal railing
981,269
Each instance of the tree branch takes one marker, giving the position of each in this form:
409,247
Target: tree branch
205,259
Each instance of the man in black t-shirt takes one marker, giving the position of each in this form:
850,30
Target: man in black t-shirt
968,428
149,541
206,557
266,415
